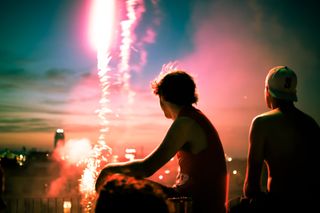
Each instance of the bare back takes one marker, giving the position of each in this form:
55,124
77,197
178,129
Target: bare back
286,140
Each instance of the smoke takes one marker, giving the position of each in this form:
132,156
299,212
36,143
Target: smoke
70,157
234,47
73,151
57,186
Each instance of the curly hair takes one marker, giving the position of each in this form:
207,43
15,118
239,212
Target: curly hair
177,87
122,193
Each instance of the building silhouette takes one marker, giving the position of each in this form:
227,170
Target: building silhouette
59,138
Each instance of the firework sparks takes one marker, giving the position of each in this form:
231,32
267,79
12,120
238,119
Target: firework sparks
126,26
102,15
134,10
102,25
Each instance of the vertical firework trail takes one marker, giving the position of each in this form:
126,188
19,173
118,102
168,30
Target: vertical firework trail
101,25
134,10
102,28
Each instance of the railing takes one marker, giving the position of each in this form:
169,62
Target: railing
182,204
43,205
70,205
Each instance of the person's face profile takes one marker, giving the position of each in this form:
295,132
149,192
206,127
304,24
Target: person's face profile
164,106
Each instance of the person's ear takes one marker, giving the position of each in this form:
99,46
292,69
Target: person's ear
267,97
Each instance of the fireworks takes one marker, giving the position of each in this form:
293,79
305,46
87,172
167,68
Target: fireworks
106,23
102,28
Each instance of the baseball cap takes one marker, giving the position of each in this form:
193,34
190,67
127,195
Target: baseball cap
281,82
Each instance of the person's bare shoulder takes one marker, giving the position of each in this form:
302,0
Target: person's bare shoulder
263,123
268,116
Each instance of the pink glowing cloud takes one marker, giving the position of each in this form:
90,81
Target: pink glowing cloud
230,60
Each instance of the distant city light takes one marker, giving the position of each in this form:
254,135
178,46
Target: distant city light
130,154
60,131
130,150
67,206
130,157
234,172
228,158
21,159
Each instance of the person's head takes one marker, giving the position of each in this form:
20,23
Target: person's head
122,193
176,87
280,86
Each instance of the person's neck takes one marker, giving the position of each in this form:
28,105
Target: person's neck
175,110
283,105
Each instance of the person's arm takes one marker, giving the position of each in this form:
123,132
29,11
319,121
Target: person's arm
173,141
255,159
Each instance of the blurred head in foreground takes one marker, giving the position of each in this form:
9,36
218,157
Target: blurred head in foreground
122,193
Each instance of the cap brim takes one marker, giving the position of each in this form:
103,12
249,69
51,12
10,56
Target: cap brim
283,95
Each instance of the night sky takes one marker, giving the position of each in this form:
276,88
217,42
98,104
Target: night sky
48,68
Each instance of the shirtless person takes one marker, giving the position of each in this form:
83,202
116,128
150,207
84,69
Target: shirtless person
193,139
286,140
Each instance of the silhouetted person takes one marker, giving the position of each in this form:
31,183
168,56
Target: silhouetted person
286,140
122,193
195,142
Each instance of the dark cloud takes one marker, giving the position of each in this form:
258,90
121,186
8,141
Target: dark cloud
26,125
58,74
34,109
14,73
7,86
51,81
20,120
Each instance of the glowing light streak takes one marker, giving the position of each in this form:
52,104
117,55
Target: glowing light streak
102,18
134,9
126,43
101,35
101,24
